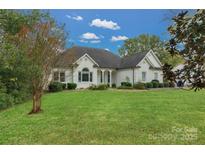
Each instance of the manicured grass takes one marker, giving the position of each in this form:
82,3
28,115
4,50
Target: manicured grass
109,117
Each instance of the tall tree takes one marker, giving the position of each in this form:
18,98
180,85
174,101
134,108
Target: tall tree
147,42
42,43
188,41
29,44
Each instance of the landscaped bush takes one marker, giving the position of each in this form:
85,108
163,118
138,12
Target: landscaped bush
99,87
155,84
161,85
64,86
149,85
113,85
102,87
124,87
71,86
139,85
166,84
155,80
55,86
127,84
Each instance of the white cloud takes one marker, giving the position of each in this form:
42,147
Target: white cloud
95,41
118,38
105,24
107,49
89,36
77,18
83,41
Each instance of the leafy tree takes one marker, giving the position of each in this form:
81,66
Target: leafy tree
42,44
188,41
13,20
27,38
13,73
147,42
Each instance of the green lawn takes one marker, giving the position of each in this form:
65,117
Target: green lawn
109,117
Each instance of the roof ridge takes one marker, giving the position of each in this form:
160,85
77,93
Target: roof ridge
77,46
135,54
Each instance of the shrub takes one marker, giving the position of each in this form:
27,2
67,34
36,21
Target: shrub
161,85
155,84
99,87
55,86
64,86
139,85
71,86
171,84
124,87
92,87
102,87
166,84
127,84
6,100
155,80
149,85
113,85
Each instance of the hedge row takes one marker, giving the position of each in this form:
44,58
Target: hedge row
139,85
98,87
153,84
57,86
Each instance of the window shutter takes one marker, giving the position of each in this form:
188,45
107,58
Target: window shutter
79,76
91,76
56,76
62,76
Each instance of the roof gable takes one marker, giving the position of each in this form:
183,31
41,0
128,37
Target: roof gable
133,60
86,55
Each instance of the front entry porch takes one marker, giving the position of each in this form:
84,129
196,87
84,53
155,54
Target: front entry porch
106,76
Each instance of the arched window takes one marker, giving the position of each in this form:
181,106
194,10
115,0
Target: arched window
85,70
85,74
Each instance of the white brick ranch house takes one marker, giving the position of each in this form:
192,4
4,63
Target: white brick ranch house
90,66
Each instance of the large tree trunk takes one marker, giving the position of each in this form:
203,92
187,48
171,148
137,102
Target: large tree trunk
36,102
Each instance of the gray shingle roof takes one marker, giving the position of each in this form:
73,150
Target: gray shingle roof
103,58
133,60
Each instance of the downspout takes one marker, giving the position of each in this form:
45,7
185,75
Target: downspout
72,74
133,76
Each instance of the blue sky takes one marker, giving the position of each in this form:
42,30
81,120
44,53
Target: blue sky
108,28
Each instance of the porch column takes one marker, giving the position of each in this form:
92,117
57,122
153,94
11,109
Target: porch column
59,80
103,76
110,71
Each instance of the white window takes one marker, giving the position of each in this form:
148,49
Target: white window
85,75
143,76
156,76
